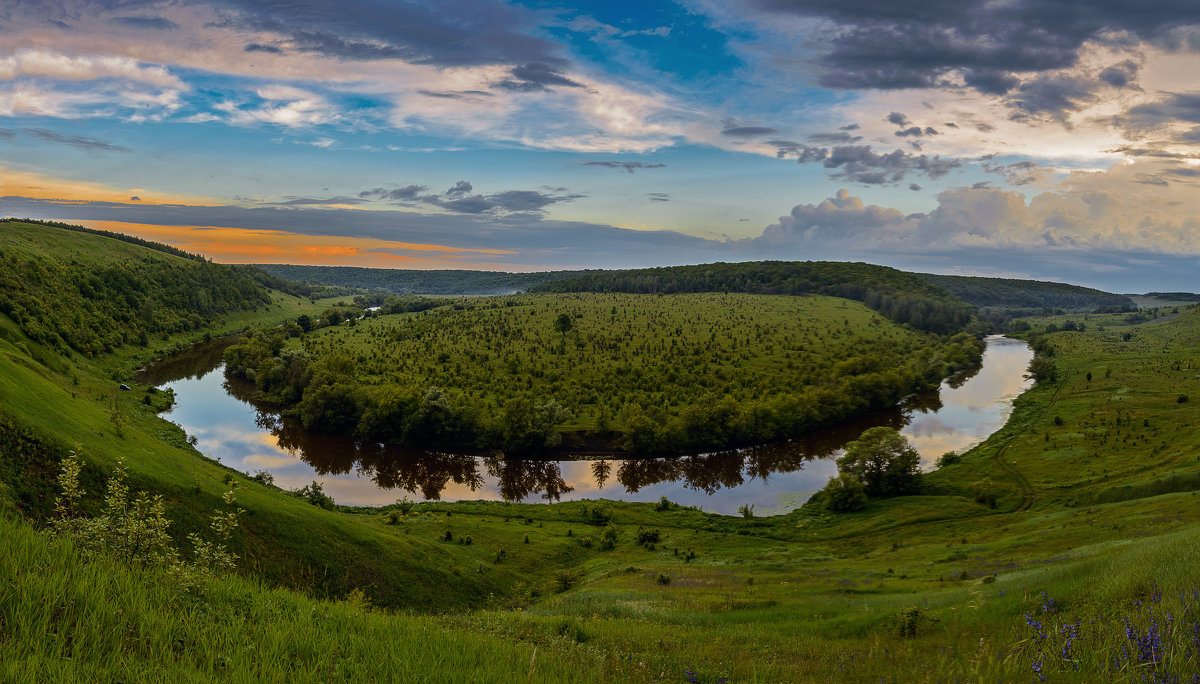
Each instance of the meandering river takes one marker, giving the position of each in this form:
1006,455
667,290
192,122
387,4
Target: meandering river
774,478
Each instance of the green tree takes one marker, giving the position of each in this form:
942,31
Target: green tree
884,461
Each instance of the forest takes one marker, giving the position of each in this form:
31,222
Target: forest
638,373
73,302
899,296
406,281
1010,293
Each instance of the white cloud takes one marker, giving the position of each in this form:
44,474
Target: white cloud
63,67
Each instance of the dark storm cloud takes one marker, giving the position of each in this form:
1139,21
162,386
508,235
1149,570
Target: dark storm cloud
456,95
898,119
629,166
77,141
152,23
658,197
918,43
444,33
861,164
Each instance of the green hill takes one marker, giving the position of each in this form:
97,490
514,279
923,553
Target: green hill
1012,293
1065,547
408,281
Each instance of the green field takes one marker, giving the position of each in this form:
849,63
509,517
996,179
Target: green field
644,373
1085,570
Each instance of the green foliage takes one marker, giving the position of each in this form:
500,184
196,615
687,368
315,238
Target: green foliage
845,493
1025,294
315,494
667,374
746,511
401,281
883,461
609,538
901,297
133,527
99,304
1042,369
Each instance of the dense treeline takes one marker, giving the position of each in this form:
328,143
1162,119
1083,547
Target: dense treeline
1026,294
901,297
636,373
403,281
95,307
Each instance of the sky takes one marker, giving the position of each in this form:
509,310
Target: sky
1048,139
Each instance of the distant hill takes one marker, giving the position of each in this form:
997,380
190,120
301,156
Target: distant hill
405,281
1025,294
70,287
902,297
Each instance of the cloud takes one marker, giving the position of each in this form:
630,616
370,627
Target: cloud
747,131
449,33
64,67
259,47
861,164
306,201
459,189
77,141
1017,173
282,105
7,134
1121,75
535,77
629,166
149,23
459,199
987,46
407,193
834,138
658,197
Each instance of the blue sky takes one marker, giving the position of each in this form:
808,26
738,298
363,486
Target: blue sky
1032,138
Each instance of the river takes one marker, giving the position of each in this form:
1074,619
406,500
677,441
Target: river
773,478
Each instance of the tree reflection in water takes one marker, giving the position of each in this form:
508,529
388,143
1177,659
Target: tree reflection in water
431,472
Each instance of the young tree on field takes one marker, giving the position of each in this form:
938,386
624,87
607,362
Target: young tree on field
884,461
563,325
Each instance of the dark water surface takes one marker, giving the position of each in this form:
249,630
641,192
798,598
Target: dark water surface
774,478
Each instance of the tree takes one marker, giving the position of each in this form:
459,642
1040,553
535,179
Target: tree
563,324
884,461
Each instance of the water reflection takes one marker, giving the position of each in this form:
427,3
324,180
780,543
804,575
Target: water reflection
774,478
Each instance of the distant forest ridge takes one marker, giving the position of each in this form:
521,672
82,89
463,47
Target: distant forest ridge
403,281
1027,294
900,296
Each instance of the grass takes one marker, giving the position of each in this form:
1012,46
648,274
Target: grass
1098,511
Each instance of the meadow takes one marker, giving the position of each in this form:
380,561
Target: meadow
1085,568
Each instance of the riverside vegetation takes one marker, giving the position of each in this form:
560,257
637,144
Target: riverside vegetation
1065,547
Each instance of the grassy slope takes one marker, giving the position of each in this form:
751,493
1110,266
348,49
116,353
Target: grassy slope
823,599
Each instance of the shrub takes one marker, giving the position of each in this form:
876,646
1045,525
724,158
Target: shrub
646,537
608,538
663,579
746,510
845,494
664,504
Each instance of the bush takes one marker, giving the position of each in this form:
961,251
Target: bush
646,537
845,494
985,492
664,504
608,538
746,510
